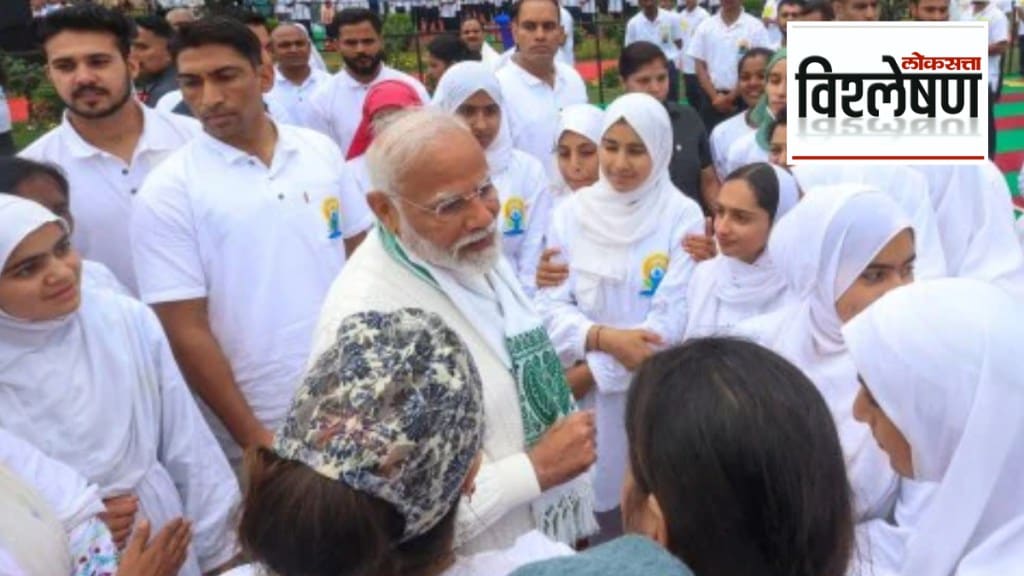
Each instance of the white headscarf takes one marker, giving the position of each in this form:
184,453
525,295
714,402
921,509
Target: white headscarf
755,288
974,215
942,359
586,120
905,186
46,368
612,221
821,247
462,81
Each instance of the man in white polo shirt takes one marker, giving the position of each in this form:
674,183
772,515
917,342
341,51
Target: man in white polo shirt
661,28
536,86
238,236
718,44
295,80
337,105
107,142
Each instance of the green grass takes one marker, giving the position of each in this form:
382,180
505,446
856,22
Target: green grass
27,133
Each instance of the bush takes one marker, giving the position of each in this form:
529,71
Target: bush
398,33
23,75
610,78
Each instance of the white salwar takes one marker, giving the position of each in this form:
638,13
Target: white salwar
822,246
100,391
942,360
906,186
974,214
627,269
725,291
522,184
585,120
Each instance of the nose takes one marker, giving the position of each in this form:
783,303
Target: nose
84,76
210,96
482,212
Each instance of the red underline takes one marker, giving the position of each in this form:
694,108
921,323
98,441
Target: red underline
889,157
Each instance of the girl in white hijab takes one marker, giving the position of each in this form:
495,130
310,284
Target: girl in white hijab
942,393
742,281
974,214
626,292
839,249
471,91
578,137
906,186
88,378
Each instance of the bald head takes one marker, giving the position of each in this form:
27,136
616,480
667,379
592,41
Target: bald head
179,16
290,47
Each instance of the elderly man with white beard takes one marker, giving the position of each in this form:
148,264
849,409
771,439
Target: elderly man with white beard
437,247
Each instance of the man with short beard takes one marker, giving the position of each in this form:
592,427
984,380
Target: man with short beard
335,107
108,142
437,247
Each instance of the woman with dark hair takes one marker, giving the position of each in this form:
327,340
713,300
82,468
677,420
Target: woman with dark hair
742,281
754,146
735,468
776,138
382,440
443,52
644,68
751,74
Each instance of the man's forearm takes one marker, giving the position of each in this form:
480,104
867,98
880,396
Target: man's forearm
209,374
704,79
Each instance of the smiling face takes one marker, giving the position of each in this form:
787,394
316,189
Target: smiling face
891,268
751,83
40,280
91,76
625,160
741,225
577,160
888,436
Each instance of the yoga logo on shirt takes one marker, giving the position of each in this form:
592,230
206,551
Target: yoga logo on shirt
654,268
331,209
514,214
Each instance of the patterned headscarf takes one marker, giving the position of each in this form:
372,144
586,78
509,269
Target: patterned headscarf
394,410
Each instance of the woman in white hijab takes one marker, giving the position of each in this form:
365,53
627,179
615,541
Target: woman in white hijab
906,186
471,91
942,392
839,249
88,378
974,214
742,281
578,137
626,292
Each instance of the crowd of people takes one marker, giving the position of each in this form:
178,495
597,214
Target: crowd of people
258,318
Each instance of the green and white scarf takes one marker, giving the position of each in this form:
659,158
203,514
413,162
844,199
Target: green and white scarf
564,513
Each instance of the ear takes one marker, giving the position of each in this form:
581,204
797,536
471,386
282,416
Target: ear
657,525
384,210
469,484
133,66
266,74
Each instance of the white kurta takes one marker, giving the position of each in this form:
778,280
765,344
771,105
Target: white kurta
709,313
523,189
100,391
499,511
652,296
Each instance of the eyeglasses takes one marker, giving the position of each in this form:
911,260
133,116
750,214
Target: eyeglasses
455,204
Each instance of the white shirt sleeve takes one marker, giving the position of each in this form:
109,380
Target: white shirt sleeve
356,215
164,247
565,323
193,459
318,111
501,485
760,39
630,33
698,49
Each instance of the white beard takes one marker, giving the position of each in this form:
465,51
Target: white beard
472,264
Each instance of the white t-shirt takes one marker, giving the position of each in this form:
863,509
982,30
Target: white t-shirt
721,46
533,106
261,244
337,106
722,138
664,31
565,53
998,31
689,20
103,187
292,101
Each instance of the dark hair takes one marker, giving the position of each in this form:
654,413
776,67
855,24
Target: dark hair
470,18
637,55
450,49
14,171
88,18
798,3
780,120
753,53
250,18
353,16
518,5
823,6
761,178
221,31
156,25
742,454
298,522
